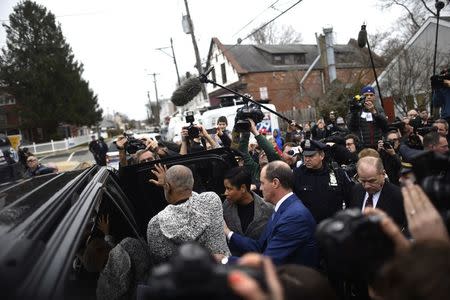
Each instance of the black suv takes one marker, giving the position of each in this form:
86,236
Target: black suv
9,167
47,221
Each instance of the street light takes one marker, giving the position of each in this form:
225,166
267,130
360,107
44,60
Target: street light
171,56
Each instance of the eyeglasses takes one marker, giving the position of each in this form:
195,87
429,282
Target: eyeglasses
349,144
31,160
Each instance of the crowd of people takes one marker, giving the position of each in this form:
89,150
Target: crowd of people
286,185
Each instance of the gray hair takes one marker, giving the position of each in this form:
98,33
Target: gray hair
180,178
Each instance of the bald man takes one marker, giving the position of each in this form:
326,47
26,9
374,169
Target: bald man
374,191
188,217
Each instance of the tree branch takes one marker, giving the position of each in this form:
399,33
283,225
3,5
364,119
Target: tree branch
427,8
411,16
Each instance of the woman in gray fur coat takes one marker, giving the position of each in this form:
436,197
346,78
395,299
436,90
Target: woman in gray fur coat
188,217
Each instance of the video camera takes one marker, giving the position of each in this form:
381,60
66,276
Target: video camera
193,274
354,244
248,111
193,131
357,103
431,172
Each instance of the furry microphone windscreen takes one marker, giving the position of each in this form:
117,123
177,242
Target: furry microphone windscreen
186,91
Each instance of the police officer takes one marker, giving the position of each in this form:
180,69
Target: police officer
323,187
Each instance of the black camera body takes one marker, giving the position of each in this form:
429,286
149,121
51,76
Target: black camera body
431,172
388,144
424,130
193,131
354,244
248,111
133,144
193,274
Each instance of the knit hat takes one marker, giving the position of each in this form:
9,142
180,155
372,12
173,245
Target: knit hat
367,89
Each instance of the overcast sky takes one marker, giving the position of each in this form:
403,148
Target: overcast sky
116,39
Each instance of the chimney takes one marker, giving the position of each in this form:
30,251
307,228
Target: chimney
328,31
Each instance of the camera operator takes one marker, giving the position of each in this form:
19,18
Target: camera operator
267,154
388,149
291,155
366,121
323,189
441,96
293,134
195,140
319,131
150,150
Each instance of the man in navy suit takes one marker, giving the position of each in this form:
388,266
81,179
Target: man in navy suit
289,234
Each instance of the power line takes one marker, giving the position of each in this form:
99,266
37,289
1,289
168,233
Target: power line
252,20
265,24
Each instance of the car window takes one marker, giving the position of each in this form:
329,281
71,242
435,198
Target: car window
106,227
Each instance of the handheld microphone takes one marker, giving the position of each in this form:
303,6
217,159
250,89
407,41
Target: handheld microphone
186,91
362,37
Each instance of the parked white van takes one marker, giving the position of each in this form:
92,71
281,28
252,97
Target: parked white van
209,118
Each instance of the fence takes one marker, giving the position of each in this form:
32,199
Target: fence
54,146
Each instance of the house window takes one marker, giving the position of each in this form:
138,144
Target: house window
263,94
217,58
278,60
7,100
3,120
299,59
224,73
213,76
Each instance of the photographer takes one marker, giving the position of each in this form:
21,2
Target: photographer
146,150
365,120
267,154
441,92
388,149
195,138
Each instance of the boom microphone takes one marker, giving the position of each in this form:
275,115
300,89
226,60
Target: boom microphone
362,37
186,91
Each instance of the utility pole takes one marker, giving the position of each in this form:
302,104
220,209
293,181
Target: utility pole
198,64
157,99
173,57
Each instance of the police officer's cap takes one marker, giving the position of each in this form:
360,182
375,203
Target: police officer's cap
310,147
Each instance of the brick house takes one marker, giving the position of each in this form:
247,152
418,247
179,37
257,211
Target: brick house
293,76
9,119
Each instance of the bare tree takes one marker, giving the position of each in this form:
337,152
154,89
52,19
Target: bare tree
273,34
408,78
415,13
